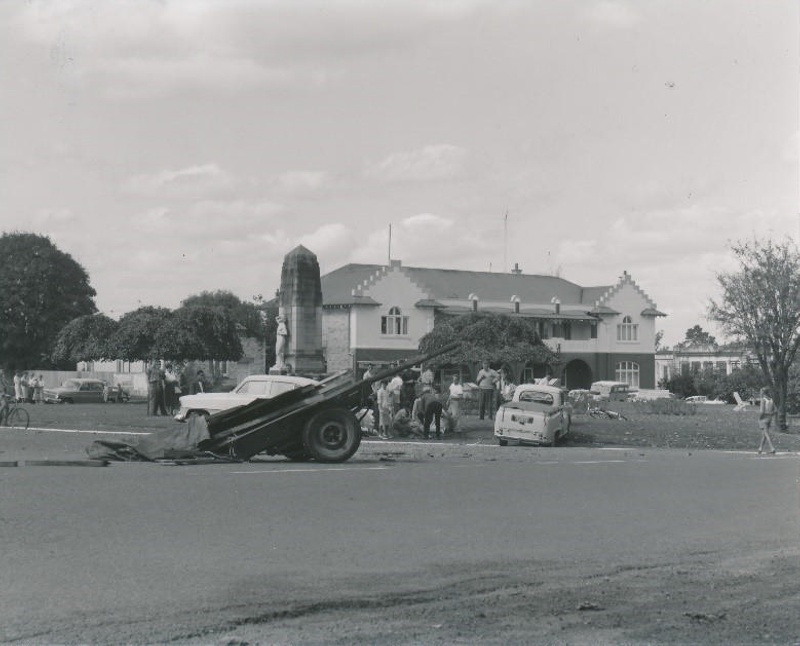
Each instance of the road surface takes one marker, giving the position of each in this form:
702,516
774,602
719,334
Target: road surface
406,544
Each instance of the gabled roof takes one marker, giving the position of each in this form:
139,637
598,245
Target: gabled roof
454,284
343,287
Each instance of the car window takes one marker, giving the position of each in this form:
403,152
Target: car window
279,387
536,396
255,388
69,383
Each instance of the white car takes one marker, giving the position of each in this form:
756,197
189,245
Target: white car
536,414
252,388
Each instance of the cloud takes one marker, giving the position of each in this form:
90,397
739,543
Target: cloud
431,163
302,181
612,14
329,238
189,181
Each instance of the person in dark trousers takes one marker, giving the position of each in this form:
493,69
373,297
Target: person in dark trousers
155,389
487,383
432,410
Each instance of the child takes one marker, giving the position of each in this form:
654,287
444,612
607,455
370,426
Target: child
385,412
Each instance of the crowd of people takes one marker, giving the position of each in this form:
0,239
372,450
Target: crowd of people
28,387
165,385
407,406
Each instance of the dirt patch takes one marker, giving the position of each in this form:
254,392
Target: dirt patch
703,599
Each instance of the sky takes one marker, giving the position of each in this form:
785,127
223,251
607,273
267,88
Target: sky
173,147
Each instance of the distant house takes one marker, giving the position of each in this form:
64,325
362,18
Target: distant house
378,314
688,358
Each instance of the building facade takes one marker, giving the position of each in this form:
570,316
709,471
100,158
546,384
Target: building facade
378,314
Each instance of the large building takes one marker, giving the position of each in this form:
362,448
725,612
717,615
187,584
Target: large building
378,314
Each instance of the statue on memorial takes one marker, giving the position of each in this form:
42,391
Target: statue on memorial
280,341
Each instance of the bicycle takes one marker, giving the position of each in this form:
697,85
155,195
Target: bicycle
14,415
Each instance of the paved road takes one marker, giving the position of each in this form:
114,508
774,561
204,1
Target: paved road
150,552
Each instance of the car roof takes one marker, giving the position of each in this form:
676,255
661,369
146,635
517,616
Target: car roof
293,379
539,387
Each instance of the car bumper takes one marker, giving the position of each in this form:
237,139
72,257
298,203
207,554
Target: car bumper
524,435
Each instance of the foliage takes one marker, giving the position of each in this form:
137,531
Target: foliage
760,303
497,338
42,289
198,333
84,339
135,336
680,385
717,385
658,339
246,315
697,337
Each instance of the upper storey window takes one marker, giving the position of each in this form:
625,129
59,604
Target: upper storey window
627,330
394,322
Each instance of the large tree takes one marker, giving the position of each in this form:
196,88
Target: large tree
760,303
85,338
135,336
245,315
41,289
497,338
199,333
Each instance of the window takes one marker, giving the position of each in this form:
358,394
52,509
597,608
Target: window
394,322
628,372
627,330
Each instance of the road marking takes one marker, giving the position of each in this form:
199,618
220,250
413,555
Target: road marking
69,430
321,469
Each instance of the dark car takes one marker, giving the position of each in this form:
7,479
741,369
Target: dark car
79,391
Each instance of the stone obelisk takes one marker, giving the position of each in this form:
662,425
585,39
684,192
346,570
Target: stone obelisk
300,305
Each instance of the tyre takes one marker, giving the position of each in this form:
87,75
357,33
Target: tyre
18,418
502,442
332,435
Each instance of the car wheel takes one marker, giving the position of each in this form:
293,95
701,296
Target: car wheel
332,435
502,442
68,400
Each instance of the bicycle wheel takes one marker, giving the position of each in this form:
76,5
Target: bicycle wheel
18,418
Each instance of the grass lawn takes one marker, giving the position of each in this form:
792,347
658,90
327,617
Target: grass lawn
707,427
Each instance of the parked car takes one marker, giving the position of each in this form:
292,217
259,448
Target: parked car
251,388
536,414
604,391
702,399
81,391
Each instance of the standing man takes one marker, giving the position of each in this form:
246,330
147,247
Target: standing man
487,383
155,389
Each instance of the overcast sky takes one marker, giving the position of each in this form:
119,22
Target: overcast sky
173,147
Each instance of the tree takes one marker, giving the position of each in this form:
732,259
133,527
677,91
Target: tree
200,333
490,337
42,289
245,315
697,337
135,337
760,303
85,338
658,339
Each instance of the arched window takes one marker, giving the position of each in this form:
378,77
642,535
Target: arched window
628,372
627,330
394,322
